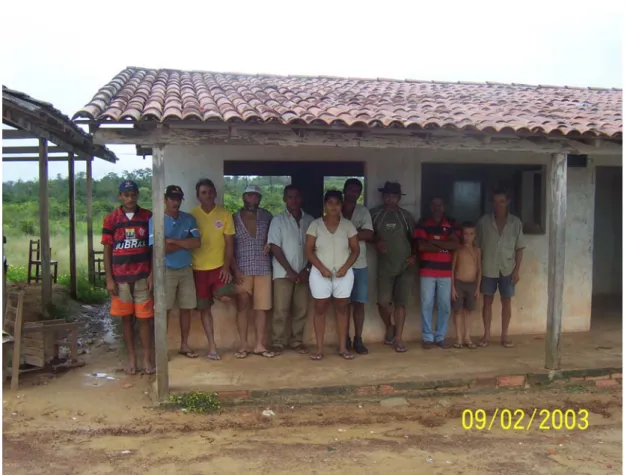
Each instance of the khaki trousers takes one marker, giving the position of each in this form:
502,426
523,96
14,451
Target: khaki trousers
290,306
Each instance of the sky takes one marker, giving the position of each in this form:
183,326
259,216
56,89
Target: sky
63,51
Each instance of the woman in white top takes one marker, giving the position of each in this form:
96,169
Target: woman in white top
332,248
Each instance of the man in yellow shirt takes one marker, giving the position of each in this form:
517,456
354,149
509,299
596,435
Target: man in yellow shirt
211,262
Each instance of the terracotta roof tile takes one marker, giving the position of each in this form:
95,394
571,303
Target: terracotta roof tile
146,94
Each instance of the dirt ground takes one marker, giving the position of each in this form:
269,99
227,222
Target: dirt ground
98,420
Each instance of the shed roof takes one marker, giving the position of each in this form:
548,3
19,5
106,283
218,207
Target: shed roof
41,119
142,94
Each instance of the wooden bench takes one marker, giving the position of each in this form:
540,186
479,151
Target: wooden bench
34,261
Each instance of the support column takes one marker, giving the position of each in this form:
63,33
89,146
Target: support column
90,221
44,229
158,272
72,209
557,258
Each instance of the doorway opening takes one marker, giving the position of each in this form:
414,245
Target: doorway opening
311,178
607,256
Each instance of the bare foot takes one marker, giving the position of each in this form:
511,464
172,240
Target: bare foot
131,368
149,368
507,343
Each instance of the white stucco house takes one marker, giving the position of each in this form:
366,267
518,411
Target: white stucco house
558,149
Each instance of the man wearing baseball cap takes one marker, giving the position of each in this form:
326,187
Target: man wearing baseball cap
181,236
128,269
252,269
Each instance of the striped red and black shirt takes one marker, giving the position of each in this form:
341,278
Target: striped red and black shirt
131,255
436,264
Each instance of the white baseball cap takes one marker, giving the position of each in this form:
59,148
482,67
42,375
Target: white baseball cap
253,189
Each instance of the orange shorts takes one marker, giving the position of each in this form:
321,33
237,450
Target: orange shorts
133,298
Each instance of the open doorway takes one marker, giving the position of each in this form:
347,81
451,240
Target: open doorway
607,257
310,177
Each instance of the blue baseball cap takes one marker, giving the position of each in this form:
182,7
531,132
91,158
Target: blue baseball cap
129,185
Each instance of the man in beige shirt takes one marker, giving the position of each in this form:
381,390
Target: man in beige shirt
500,237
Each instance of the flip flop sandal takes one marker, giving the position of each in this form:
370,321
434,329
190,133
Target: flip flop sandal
265,354
483,343
400,348
346,355
316,356
390,342
189,353
470,345
458,345
508,344
240,355
213,356
149,370
301,349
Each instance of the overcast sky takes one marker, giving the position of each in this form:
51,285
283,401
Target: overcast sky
63,51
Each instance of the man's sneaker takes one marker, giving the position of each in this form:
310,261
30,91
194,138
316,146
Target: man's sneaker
427,345
359,346
348,344
443,344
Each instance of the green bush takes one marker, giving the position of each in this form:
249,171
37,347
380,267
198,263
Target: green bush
17,274
196,402
85,291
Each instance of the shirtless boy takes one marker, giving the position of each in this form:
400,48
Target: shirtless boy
465,290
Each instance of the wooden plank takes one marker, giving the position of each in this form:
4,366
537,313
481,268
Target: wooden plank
17,134
17,343
72,211
158,272
90,220
557,258
44,228
35,158
34,149
33,342
333,138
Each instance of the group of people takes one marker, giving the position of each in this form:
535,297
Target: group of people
277,263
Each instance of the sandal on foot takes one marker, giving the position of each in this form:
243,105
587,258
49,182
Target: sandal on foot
300,348
358,345
316,356
470,345
483,343
265,354
458,345
149,370
240,355
508,344
346,355
213,356
188,353
390,341
400,348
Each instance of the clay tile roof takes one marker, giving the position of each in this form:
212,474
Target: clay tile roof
146,94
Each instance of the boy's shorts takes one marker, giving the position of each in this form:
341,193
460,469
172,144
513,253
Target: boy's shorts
465,295
133,298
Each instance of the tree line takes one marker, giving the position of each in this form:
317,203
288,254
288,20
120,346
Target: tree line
20,199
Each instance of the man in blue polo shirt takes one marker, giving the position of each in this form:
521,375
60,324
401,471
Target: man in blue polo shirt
181,236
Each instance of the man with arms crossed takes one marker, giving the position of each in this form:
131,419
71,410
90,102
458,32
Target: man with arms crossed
252,269
181,236
212,260
290,271
128,268
500,237
393,228
361,219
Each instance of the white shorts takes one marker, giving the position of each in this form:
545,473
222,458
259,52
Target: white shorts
337,287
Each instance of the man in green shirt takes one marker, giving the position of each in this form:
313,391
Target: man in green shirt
500,237
393,228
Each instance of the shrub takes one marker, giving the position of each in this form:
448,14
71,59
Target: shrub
17,274
197,402
85,291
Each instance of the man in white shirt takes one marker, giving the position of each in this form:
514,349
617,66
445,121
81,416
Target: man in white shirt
290,271
361,219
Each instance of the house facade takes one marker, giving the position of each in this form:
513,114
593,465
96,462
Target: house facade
554,147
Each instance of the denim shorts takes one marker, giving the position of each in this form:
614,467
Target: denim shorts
504,283
360,287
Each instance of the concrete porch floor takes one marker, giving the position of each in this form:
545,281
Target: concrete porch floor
599,348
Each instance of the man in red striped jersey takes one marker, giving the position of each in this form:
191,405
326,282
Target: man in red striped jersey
437,237
128,267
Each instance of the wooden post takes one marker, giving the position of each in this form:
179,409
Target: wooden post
44,229
72,209
158,272
557,258
90,221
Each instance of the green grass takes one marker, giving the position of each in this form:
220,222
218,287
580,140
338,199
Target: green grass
196,402
16,250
